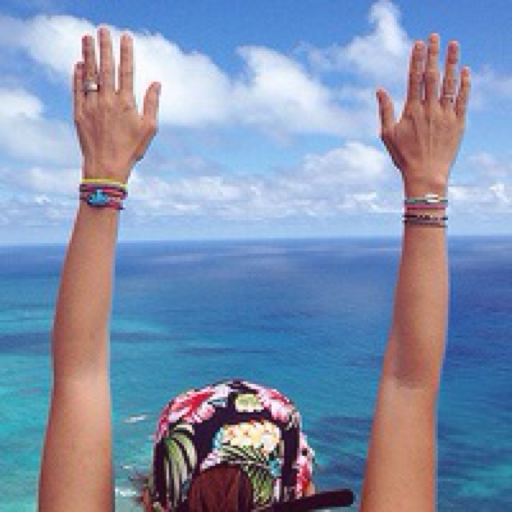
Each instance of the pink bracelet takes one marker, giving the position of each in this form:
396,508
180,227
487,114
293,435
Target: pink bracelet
425,206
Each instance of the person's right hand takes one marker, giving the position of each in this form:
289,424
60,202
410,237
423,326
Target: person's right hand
112,133
423,144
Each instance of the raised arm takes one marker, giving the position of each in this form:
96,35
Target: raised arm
401,467
76,471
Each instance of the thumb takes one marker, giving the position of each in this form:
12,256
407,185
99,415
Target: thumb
386,113
150,108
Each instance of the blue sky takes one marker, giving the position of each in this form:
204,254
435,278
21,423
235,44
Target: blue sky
268,119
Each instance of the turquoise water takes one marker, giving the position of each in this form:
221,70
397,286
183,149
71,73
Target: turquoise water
309,318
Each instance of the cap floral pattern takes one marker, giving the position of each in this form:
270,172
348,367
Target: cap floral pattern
232,422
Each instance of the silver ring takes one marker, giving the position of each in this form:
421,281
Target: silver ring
90,86
449,97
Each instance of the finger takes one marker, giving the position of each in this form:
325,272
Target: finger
386,113
449,87
126,67
78,93
106,61
414,89
89,58
432,69
463,95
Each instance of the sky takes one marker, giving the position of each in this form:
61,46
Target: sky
268,119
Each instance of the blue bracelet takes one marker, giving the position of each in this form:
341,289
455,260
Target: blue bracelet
98,198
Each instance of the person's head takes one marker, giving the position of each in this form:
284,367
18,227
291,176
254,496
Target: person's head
230,446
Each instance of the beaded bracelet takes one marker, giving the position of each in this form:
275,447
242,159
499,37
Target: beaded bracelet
426,199
428,223
424,217
425,220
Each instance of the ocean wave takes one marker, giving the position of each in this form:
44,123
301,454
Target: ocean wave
137,418
124,492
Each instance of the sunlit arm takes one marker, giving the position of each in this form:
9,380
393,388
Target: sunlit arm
401,469
76,470
78,440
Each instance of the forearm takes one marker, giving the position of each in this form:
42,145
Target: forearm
400,474
401,469
80,332
76,470
418,331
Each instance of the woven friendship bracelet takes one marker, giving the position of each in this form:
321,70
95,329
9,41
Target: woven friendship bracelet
428,223
425,217
99,199
109,190
103,193
425,206
103,181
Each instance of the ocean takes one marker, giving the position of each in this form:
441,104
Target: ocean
309,318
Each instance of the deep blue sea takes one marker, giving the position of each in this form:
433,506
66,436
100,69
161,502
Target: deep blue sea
307,317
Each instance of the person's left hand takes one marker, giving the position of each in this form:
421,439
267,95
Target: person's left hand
113,135
424,142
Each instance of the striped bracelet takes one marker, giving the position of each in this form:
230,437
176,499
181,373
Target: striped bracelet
103,193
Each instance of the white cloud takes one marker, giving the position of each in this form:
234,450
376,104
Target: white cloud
488,190
381,55
194,90
350,183
15,103
53,41
490,89
276,91
34,182
489,199
27,136
352,165
350,178
485,168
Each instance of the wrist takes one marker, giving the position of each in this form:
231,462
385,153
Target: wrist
114,172
431,185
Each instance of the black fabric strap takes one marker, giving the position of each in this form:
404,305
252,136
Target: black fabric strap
339,498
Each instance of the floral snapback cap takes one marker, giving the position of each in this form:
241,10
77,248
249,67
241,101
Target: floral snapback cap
237,423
